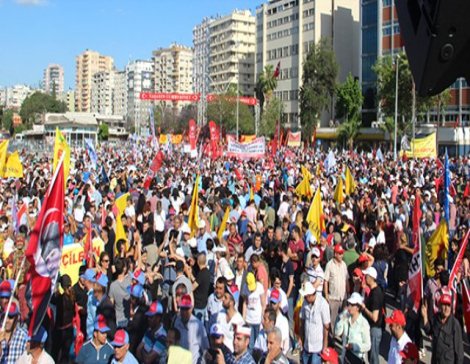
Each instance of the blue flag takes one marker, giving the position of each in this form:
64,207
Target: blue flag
91,152
446,187
104,177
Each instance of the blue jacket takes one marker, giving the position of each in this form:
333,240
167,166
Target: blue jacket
90,355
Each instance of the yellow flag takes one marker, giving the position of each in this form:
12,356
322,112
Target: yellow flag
223,225
318,170
339,196
315,216
121,204
13,167
304,188
61,146
3,155
193,218
306,173
437,246
350,183
252,194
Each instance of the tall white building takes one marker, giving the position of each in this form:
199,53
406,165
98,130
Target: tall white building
69,98
53,79
232,45
120,94
15,95
286,30
102,92
139,75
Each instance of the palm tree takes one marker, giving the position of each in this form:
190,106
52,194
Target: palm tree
349,130
389,126
268,82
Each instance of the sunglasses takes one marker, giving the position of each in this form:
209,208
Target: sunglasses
105,261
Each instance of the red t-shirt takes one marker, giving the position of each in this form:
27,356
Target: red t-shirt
295,247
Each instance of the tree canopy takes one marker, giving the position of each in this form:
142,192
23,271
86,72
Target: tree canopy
348,98
39,103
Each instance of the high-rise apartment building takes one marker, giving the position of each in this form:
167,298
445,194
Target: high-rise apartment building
53,79
381,37
102,92
87,65
139,75
120,93
232,44
69,98
287,29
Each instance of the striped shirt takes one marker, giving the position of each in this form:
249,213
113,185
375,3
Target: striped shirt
314,318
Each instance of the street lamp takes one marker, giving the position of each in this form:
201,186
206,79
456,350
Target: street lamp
397,59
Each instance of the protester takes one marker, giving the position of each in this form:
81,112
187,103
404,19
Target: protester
400,338
14,338
122,355
35,352
98,350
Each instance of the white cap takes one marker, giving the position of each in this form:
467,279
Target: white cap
307,289
315,251
216,330
185,229
243,330
192,242
228,274
180,252
219,249
356,299
201,224
371,271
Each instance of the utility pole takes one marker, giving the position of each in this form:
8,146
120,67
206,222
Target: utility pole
397,60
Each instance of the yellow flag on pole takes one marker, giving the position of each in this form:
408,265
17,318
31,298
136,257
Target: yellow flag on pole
437,246
306,173
304,188
3,155
339,196
223,225
121,204
350,183
61,146
193,218
13,167
315,218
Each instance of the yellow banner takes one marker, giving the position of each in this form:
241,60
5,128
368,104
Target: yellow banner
163,139
176,138
244,139
13,168
73,256
423,147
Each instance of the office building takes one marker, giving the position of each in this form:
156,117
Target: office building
102,93
139,75
53,81
120,94
69,98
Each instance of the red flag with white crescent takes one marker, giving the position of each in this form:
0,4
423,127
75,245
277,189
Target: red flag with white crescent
154,168
466,305
192,134
44,250
415,278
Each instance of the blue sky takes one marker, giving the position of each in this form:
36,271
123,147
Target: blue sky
35,33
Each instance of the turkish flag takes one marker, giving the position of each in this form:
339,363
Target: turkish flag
214,139
154,168
192,134
44,250
466,305
415,277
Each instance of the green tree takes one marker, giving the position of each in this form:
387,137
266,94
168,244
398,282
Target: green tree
39,103
348,98
7,119
268,81
388,125
349,130
270,117
187,112
318,84
163,115
103,131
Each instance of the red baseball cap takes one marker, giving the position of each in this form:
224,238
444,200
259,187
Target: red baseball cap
121,338
410,351
363,258
445,299
358,272
330,355
186,301
275,296
397,317
339,249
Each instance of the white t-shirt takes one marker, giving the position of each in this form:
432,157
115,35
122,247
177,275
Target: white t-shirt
159,220
228,328
44,358
283,325
254,307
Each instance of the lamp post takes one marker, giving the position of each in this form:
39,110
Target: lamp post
397,59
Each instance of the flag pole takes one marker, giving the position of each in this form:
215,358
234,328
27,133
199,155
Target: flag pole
12,293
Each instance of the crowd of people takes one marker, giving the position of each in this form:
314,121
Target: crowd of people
252,283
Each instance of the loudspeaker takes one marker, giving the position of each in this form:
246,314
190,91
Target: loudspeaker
436,34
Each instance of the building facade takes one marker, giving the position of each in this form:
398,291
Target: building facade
69,98
381,37
53,79
15,95
287,30
87,65
102,92
139,76
232,44
120,94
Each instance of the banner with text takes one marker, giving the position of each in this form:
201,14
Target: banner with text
423,147
254,149
294,139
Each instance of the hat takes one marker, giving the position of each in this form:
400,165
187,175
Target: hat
233,290
100,324
216,330
251,281
185,229
329,355
219,249
397,317
136,291
40,336
275,296
363,258
307,289
356,299
410,351
445,299
339,249
89,275
139,276
156,308
243,330
358,272
5,289
121,338
229,276
201,224
315,251
13,311
102,280
186,301
371,271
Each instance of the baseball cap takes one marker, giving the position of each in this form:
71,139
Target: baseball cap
121,338
243,330
397,317
410,351
156,308
339,249
216,330
233,290
186,301
307,289
185,229
358,272
102,280
445,299
315,251
363,258
136,291
13,311
228,274
139,276
355,299
5,289
275,296
40,336
89,275
371,271
330,355
251,281
100,324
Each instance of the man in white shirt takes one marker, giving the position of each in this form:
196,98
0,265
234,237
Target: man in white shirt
400,338
253,306
314,271
35,352
229,317
281,321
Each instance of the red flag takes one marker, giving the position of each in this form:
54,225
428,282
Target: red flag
154,168
44,250
277,71
79,337
192,134
88,248
415,279
466,305
21,212
439,164
466,193
453,279
214,138
275,140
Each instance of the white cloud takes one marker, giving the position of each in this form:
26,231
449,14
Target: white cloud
31,2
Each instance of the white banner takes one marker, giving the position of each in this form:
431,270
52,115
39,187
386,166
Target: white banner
254,149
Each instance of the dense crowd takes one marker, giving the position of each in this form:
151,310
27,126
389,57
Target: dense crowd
251,283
